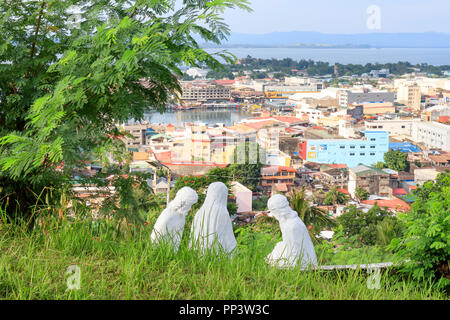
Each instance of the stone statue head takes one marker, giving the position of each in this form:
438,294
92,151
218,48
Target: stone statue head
279,208
186,197
217,193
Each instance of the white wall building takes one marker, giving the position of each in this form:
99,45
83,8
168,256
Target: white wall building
313,114
433,134
394,127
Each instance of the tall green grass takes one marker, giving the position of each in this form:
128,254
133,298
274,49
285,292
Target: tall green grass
120,262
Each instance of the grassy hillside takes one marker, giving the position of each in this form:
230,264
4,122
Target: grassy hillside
121,263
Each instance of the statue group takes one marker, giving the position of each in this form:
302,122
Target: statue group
212,228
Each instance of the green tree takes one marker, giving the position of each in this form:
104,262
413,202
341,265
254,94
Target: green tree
387,230
64,87
361,194
314,218
396,160
335,197
247,167
379,165
426,242
361,228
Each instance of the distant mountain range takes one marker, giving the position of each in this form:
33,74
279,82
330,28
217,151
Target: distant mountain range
324,40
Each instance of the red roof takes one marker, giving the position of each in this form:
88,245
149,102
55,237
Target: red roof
224,82
343,191
288,119
393,204
260,124
282,187
163,156
399,191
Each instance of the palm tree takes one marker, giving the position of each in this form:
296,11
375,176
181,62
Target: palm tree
314,218
361,194
335,197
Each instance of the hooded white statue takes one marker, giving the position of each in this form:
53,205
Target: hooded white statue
170,224
296,242
212,228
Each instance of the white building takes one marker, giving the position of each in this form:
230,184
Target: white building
394,127
423,175
433,134
313,114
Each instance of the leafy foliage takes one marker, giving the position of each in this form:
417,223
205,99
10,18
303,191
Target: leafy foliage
335,197
396,160
247,167
360,228
63,88
362,194
427,237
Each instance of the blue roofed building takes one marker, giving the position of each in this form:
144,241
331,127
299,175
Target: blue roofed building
352,152
404,147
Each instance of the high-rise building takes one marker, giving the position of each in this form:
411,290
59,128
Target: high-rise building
410,95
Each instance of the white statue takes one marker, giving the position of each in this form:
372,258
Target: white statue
296,244
170,224
212,228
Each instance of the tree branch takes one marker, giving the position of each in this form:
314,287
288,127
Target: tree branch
38,25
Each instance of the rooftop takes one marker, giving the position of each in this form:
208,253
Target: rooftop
362,170
392,204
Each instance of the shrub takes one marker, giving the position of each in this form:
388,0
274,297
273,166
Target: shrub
359,227
426,242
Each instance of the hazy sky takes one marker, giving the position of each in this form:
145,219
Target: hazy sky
340,16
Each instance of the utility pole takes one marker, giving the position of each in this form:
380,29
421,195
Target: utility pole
168,185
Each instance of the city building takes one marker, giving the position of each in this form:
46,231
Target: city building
382,73
423,175
278,178
138,135
434,135
410,95
405,147
352,152
284,92
375,181
204,91
347,98
313,115
197,145
374,108
160,143
394,127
